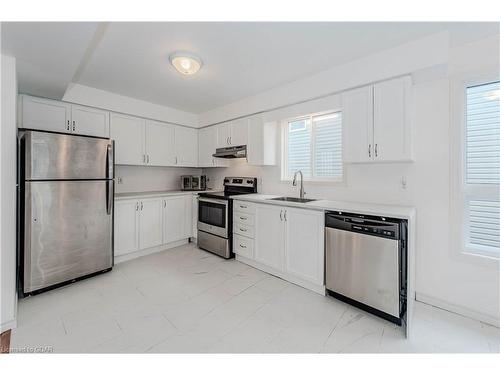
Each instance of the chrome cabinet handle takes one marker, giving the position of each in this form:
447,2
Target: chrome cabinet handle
137,206
227,140
241,206
74,126
376,150
369,150
141,206
144,158
281,215
242,246
230,140
147,157
243,218
68,127
176,160
285,216
242,230
164,203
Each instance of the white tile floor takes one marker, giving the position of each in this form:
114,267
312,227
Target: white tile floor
188,300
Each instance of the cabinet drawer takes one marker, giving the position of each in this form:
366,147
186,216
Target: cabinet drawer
243,218
245,207
244,230
243,246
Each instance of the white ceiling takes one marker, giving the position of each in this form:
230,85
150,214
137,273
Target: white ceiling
240,59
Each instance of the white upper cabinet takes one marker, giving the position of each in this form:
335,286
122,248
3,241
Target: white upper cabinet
207,144
262,137
391,110
305,244
89,121
186,147
238,132
151,222
270,236
160,144
57,116
377,126
357,116
128,133
223,135
44,114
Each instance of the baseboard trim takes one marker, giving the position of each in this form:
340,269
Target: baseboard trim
149,251
457,309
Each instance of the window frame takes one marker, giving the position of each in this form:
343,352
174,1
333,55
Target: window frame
284,148
462,192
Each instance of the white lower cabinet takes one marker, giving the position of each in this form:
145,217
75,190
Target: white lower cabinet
150,223
126,227
177,218
146,223
284,241
270,236
304,244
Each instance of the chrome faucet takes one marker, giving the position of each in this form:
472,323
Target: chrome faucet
294,183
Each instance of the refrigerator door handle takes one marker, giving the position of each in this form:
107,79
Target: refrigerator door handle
109,160
109,196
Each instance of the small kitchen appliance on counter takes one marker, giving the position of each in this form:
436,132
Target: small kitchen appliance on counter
215,215
194,183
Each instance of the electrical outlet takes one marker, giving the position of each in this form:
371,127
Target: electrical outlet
119,180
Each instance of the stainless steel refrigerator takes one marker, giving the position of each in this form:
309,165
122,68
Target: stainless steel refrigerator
66,194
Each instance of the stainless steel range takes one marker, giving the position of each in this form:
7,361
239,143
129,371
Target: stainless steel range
215,215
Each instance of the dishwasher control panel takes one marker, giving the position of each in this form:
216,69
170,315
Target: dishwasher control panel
371,225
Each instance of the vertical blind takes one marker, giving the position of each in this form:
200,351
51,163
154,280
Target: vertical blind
314,146
482,167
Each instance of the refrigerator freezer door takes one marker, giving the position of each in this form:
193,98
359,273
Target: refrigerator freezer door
68,231
51,156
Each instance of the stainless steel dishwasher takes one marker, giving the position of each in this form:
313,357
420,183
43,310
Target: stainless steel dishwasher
366,262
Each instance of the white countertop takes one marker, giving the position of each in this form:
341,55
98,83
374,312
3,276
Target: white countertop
396,211
150,194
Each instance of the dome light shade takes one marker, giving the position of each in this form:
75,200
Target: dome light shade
185,63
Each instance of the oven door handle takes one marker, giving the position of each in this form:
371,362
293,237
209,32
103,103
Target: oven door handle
209,200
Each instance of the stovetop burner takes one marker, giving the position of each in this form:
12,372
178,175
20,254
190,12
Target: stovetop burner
233,186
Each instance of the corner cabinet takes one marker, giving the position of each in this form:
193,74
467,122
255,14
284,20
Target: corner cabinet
61,117
151,224
288,242
377,125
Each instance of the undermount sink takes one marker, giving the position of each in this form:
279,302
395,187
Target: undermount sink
292,199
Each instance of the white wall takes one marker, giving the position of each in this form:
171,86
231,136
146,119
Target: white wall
442,278
8,93
85,95
137,178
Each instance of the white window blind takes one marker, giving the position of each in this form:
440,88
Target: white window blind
314,146
482,168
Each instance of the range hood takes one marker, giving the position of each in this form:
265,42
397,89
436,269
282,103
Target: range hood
232,152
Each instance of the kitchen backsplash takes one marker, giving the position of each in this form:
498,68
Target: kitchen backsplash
138,178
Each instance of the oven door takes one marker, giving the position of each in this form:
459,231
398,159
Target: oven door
213,216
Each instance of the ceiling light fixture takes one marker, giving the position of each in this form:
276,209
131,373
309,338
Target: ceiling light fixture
185,63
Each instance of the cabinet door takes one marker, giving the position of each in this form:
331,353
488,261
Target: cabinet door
128,133
126,227
173,219
194,219
150,222
223,134
239,132
45,114
159,144
358,124
187,214
89,121
391,120
261,145
207,140
269,235
186,146
304,244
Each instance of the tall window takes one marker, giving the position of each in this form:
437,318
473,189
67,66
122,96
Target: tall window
313,144
482,169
